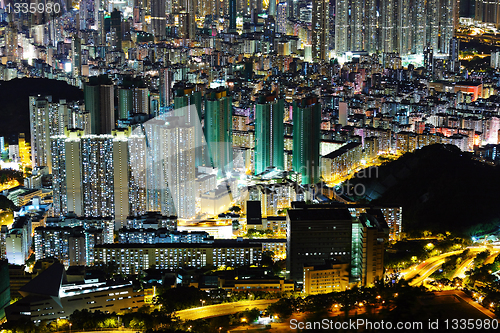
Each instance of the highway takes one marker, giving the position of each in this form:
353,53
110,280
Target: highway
465,266
429,266
426,272
224,309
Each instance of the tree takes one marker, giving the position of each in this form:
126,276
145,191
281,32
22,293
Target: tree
282,308
235,209
6,204
180,298
251,315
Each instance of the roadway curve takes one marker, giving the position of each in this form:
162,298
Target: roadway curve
426,268
224,309
426,271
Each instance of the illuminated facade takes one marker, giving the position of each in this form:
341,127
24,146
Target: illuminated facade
218,130
402,26
269,140
92,175
342,161
306,139
133,258
321,234
65,244
324,279
320,29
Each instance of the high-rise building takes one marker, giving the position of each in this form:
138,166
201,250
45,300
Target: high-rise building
218,130
116,26
320,29
454,62
232,15
488,11
165,87
282,17
48,118
100,103
168,166
140,100
188,105
76,56
11,43
65,244
269,136
125,108
306,138
91,175
159,18
271,11
401,26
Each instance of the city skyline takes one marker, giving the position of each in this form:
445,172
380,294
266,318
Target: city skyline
219,165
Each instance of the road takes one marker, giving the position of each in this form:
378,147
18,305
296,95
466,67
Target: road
411,272
426,268
465,266
426,272
491,258
224,309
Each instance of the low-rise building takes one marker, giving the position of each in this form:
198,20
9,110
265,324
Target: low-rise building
328,278
47,297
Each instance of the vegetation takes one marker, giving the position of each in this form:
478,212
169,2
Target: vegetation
180,298
404,253
437,185
451,264
7,175
254,233
6,204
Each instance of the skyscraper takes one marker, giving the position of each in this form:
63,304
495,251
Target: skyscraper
116,26
48,118
269,136
140,100
218,130
169,171
402,26
232,15
272,8
188,104
282,17
158,18
100,103
320,29
306,138
91,174
76,56
97,175
488,11
125,108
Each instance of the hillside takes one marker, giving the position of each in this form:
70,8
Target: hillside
440,189
14,105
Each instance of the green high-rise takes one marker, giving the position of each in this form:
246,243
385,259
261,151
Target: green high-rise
306,139
269,139
187,104
124,102
218,130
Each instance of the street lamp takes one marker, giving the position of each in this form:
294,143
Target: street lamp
202,302
70,324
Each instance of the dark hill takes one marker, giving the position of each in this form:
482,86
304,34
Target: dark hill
14,105
440,189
